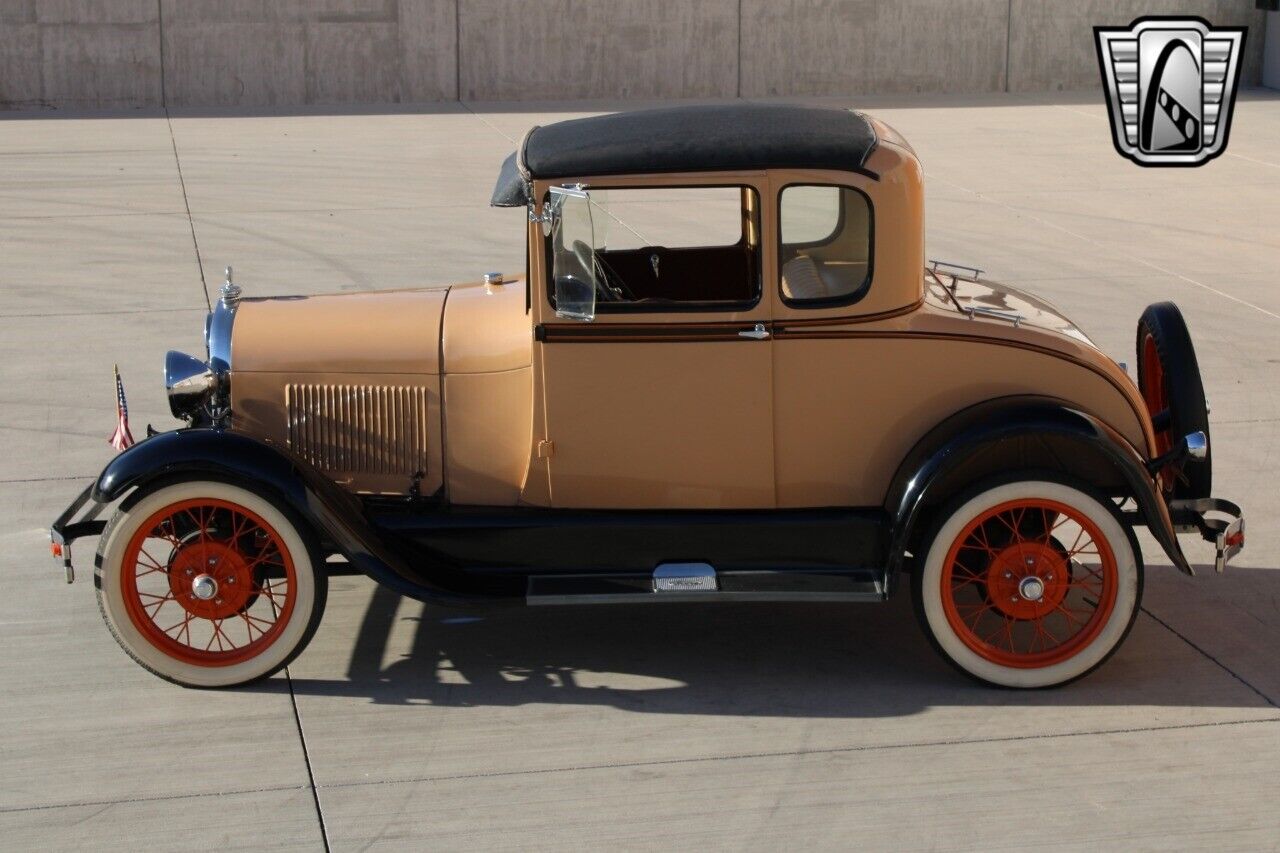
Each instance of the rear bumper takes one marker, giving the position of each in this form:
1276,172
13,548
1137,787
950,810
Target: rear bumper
1218,521
66,529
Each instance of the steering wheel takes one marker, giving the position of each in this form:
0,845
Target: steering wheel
587,258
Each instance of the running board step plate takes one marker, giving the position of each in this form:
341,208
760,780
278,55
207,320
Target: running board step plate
682,582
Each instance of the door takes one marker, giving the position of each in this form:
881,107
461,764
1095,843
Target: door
658,396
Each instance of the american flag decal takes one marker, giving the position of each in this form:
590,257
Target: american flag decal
121,439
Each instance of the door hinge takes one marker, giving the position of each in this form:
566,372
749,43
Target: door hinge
546,449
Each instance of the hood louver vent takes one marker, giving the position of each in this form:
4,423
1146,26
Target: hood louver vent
359,429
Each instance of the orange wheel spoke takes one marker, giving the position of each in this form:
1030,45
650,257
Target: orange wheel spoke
179,624
1066,614
157,605
151,561
255,620
238,530
260,559
1075,546
980,548
1012,528
1004,626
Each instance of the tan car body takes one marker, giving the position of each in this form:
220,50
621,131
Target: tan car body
448,391
705,387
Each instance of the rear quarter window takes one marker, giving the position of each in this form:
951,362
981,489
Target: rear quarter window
825,251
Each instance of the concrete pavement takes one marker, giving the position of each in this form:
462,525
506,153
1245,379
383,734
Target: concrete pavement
759,727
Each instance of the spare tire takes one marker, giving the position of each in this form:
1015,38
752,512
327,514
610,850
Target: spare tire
1169,378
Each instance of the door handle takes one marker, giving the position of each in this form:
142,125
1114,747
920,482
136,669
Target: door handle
759,333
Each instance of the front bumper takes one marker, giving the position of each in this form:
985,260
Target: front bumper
64,530
1218,521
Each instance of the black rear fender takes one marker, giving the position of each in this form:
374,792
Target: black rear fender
1019,434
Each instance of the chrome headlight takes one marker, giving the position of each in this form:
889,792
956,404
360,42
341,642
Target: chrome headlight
189,382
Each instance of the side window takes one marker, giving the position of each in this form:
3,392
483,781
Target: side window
825,252
671,249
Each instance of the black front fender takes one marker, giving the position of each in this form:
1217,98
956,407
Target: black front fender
1021,433
333,514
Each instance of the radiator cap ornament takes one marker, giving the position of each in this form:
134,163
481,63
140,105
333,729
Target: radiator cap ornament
230,291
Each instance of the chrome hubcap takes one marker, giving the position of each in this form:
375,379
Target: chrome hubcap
204,587
1031,588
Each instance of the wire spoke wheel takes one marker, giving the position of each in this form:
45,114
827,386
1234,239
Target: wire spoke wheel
1045,586
1029,582
208,582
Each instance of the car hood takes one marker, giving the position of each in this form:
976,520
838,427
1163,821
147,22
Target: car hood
385,332
472,327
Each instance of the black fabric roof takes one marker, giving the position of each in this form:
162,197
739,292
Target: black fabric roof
723,137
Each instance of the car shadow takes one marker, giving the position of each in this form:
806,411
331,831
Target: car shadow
810,660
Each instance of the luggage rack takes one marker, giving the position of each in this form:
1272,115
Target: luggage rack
949,268
973,311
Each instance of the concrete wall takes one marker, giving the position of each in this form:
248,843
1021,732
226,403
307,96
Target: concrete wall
1051,42
79,53
147,53
1271,59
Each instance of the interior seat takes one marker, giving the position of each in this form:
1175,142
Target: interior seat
801,279
805,278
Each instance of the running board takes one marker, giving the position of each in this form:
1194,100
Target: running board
684,582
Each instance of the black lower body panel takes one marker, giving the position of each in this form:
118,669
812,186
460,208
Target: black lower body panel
813,552
535,541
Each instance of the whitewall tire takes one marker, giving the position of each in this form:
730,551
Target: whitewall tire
207,584
1028,583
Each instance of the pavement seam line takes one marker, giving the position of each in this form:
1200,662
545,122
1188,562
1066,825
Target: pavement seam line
191,223
631,764
1021,212
130,311
306,757
839,750
487,123
1228,153
48,479
270,789
1223,666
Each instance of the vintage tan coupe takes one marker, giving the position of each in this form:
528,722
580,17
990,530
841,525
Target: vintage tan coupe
726,374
